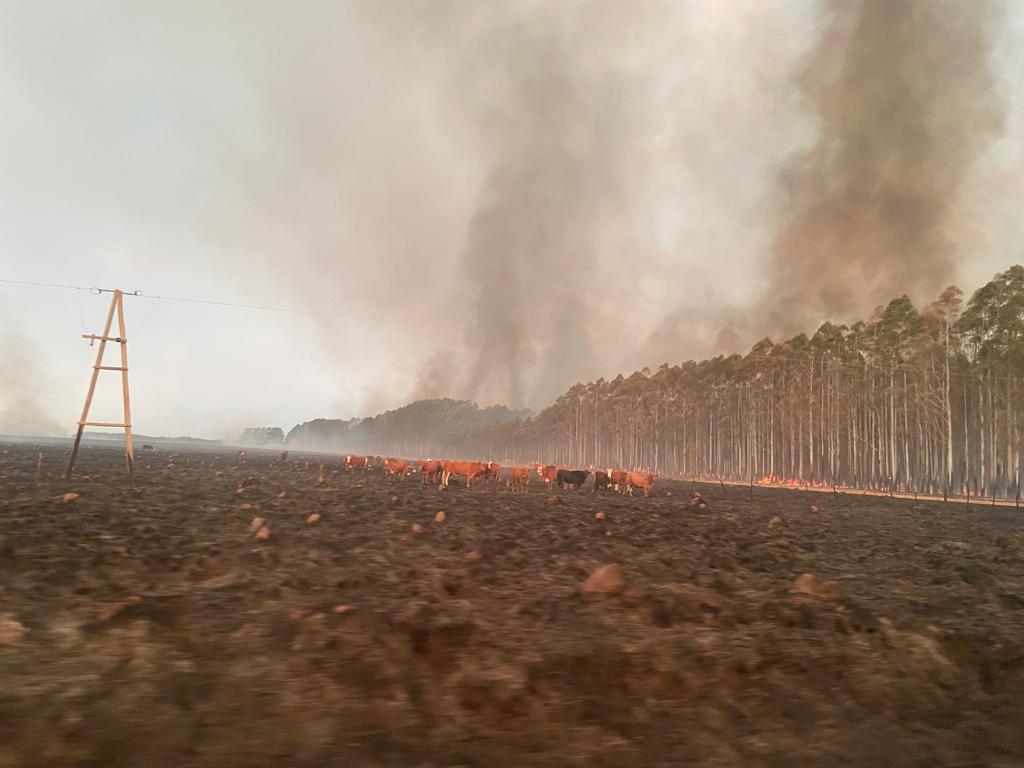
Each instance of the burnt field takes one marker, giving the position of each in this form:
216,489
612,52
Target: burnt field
151,627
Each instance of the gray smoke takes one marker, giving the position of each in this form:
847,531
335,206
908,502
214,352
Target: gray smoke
547,192
23,410
906,102
554,138
611,145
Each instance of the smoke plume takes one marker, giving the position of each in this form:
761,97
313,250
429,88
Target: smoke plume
22,410
597,167
553,151
906,102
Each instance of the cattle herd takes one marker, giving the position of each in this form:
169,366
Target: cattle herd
440,473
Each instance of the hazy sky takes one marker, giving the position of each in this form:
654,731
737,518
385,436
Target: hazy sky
562,190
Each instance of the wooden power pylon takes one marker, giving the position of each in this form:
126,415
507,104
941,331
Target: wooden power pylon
116,305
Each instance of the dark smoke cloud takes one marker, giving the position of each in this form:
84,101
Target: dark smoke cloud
543,179
907,102
554,137
610,147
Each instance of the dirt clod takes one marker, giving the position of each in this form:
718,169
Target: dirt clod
606,580
809,584
11,630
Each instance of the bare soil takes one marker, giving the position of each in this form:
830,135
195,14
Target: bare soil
151,627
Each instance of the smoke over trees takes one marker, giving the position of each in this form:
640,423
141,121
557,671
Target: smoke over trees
553,143
906,102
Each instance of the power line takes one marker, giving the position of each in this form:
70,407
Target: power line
292,310
44,285
233,305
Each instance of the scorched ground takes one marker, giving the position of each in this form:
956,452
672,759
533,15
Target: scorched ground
152,627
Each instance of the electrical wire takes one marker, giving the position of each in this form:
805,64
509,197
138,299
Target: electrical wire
234,305
293,311
138,328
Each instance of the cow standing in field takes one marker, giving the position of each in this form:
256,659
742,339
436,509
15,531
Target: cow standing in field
519,480
396,468
573,478
548,474
430,471
468,469
618,478
356,462
492,472
602,480
641,480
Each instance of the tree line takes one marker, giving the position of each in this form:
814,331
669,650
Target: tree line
923,399
926,400
440,428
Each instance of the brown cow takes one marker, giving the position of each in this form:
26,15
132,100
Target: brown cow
519,479
618,478
396,467
641,480
468,469
356,462
492,472
430,471
548,474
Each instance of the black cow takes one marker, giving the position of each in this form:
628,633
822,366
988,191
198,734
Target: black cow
601,480
572,478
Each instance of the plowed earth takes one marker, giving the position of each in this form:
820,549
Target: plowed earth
151,627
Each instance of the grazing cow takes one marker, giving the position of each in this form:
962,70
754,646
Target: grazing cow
492,472
396,467
572,478
148,447
430,471
640,480
602,479
357,462
548,474
520,478
468,469
618,478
